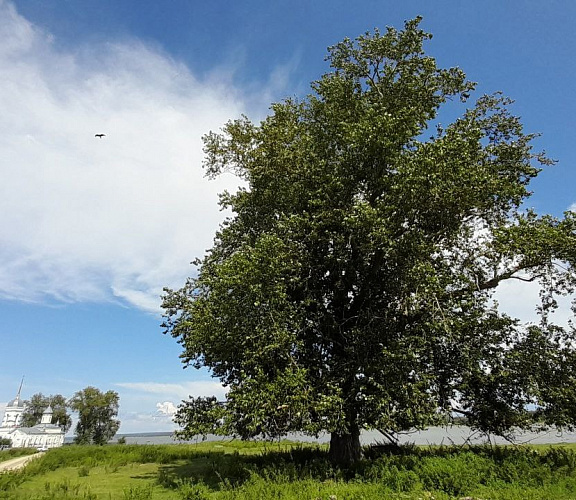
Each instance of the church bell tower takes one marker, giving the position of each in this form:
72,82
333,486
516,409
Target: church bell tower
14,410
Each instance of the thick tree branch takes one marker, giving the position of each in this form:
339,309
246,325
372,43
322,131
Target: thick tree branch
496,280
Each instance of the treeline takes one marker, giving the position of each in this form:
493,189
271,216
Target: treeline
97,412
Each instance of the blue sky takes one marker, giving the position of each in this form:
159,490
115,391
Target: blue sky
91,230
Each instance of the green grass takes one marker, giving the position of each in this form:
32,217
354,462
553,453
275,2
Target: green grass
256,470
11,453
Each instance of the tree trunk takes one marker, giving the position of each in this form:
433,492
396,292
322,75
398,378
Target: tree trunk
345,448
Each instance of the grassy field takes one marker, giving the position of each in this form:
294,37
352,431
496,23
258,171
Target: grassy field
15,453
240,470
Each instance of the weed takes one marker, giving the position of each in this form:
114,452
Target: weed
11,481
188,491
83,471
111,467
63,490
138,493
166,480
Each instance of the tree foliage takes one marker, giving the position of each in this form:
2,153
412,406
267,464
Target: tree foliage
97,412
38,403
352,286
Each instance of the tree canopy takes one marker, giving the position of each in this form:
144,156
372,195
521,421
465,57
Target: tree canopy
38,403
352,286
97,412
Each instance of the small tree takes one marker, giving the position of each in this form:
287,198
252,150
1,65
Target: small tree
38,403
96,415
352,287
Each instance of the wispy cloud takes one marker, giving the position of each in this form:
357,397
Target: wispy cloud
83,218
178,391
117,218
132,422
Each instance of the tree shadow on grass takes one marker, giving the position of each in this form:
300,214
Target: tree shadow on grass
147,476
453,470
215,470
219,470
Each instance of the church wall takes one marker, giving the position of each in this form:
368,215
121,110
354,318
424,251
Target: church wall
43,435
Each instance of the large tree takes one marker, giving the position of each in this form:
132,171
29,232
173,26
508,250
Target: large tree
352,285
97,412
38,403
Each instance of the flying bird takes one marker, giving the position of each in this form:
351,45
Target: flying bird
100,135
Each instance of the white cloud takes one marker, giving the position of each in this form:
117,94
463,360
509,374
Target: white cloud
150,406
83,218
520,300
120,217
167,408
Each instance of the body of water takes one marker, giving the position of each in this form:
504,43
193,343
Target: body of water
458,434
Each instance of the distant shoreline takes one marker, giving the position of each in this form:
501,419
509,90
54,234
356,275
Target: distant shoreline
457,434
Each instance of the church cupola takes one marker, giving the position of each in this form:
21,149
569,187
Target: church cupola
47,416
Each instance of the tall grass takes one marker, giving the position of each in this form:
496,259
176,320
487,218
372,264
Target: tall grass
449,471
288,471
11,453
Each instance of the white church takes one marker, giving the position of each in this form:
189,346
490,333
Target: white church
43,435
